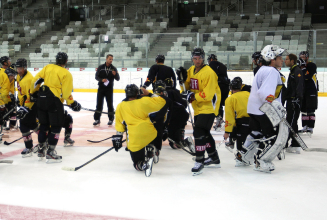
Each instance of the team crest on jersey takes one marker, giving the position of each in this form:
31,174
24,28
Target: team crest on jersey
227,124
202,95
194,84
270,98
299,75
70,97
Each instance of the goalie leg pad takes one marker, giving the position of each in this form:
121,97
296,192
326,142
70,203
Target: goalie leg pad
251,147
270,151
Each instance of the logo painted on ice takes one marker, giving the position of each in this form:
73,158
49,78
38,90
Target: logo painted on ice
194,84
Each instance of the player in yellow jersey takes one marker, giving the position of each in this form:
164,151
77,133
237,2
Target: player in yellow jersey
27,111
236,118
204,94
58,82
132,117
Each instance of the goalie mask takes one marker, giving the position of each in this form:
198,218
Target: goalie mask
270,52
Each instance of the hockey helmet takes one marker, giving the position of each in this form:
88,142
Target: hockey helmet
131,91
212,56
256,55
236,83
270,52
4,59
160,58
198,52
21,62
300,62
10,72
306,53
159,86
61,58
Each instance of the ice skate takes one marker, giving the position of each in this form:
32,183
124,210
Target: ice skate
96,123
27,152
149,160
212,163
219,124
239,161
68,142
306,131
263,166
110,122
197,169
156,155
189,143
52,156
281,155
41,151
294,150
230,145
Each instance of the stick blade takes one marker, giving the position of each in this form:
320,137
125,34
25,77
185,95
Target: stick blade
6,161
6,143
68,168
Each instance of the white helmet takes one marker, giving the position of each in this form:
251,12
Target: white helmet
270,52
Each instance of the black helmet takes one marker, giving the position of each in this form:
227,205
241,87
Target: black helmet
198,52
256,55
4,59
306,53
21,62
131,91
236,83
10,72
212,56
160,58
300,62
61,58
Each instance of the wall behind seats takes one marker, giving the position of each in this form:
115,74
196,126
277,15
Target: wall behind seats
84,78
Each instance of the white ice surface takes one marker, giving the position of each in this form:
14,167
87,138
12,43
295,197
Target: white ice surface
111,186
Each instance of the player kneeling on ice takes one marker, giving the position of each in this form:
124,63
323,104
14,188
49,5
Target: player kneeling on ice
264,142
58,83
132,116
202,90
28,109
237,118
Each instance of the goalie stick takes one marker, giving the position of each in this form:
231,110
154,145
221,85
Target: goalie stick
77,168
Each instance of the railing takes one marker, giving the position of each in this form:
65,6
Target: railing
227,9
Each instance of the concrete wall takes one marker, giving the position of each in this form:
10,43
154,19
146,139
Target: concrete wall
84,78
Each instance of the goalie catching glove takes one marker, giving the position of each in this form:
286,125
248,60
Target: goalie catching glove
117,141
22,112
75,106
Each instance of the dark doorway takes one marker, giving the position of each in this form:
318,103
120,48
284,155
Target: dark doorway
187,11
77,14
318,9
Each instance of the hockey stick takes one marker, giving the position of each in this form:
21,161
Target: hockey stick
92,110
99,141
181,147
188,104
6,161
9,143
77,168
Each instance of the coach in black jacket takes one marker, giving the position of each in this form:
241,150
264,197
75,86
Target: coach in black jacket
106,74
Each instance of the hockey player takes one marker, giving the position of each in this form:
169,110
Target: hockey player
132,116
237,118
28,109
57,82
266,87
203,92
256,61
310,95
294,97
223,83
6,63
179,116
159,71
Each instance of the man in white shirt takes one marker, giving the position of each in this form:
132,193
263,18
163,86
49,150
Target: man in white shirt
266,87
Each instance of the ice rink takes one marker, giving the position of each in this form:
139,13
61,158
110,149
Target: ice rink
110,188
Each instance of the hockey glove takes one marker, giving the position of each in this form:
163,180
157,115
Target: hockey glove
12,97
2,108
188,96
181,73
34,96
296,103
117,141
22,112
165,134
75,106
